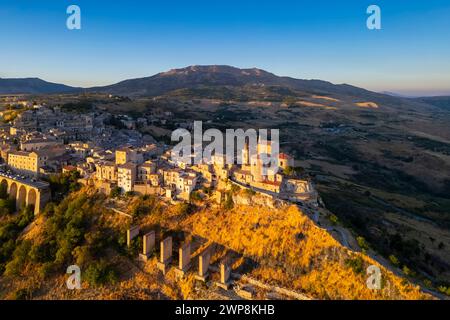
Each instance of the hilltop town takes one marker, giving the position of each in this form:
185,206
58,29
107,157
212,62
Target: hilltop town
43,141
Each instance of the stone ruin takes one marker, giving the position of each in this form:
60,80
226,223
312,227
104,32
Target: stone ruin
148,246
225,275
132,233
184,263
165,255
204,259
184,258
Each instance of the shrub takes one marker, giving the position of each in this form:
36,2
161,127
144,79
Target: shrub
82,255
62,184
129,194
25,217
357,265
135,248
184,208
44,252
115,192
6,251
407,271
21,294
100,273
195,196
45,270
334,219
229,204
289,171
362,243
20,256
443,289
235,189
394,260
7,206
145,205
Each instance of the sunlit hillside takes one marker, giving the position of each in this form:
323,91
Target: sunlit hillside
279,248
291,251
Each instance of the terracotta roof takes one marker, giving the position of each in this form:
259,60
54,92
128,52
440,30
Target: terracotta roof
21,153
128,166
274,183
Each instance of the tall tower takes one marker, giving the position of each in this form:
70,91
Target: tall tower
256,168
245,155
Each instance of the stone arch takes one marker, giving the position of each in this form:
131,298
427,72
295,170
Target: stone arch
13,190
32,197
21,197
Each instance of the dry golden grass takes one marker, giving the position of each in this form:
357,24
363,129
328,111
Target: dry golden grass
316,105
286,247
325,98
370,105
290,251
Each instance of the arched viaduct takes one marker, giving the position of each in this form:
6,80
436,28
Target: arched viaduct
26,191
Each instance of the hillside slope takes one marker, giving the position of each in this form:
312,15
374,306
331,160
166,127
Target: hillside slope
221,75
442,102
292,252
33,86
279,247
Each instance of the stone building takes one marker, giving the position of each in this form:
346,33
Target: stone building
106,171
145,170
125,155
27,163
126,176
37,144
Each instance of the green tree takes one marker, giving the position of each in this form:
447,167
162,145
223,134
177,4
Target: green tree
7,206
115,192
20,256
357,265
100,273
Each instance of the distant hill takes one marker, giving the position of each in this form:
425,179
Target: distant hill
442,102
215,75
33,86
394,94
220,82
209,81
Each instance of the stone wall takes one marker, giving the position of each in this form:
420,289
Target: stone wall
257,199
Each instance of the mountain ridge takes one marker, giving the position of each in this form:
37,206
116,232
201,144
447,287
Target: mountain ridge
219,75
192,77
33,85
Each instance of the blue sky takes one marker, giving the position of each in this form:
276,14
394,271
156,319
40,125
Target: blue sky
304,39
